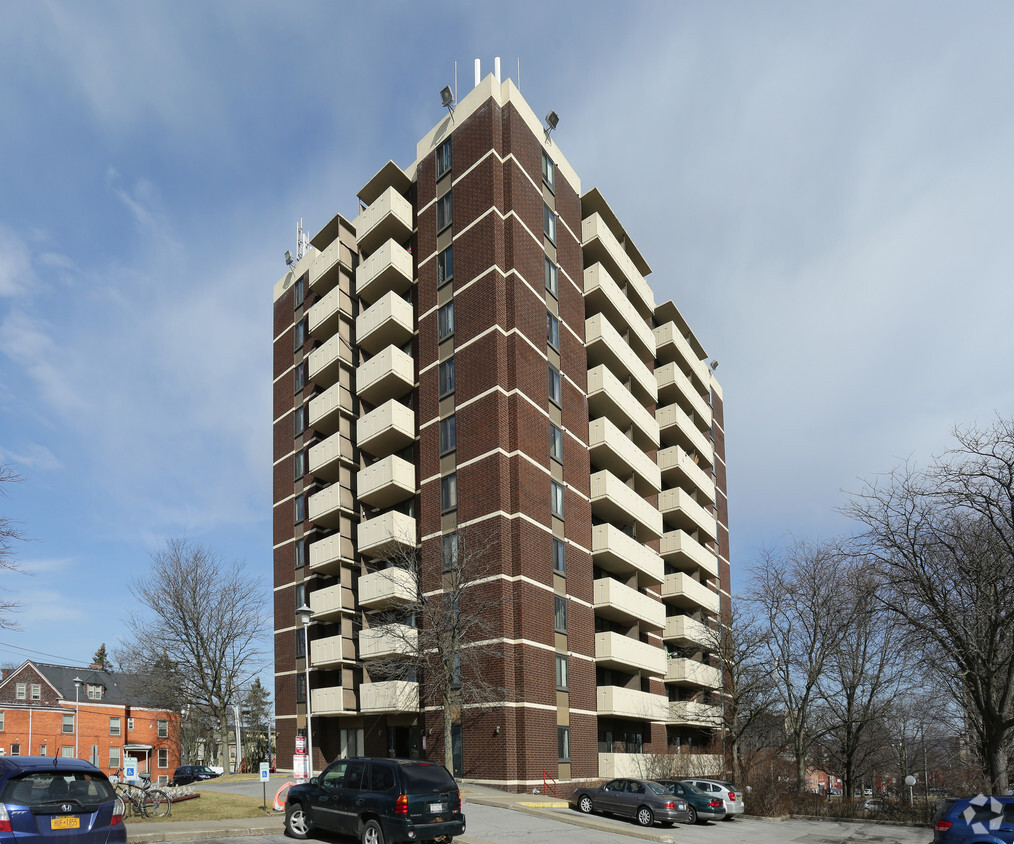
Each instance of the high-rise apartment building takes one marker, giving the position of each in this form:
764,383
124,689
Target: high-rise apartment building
478,354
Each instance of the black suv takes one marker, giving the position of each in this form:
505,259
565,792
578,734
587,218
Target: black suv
186,774
378,801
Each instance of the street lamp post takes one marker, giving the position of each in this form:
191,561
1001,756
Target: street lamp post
305,613
77,713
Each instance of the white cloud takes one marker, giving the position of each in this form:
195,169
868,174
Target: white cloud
15,264
32,456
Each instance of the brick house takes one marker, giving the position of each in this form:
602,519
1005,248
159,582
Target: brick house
90,713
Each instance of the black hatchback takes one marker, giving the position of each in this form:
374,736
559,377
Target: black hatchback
187,774
379,801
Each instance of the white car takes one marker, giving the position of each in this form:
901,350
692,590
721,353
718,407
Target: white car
733,799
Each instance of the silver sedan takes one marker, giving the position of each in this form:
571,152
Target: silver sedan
643,800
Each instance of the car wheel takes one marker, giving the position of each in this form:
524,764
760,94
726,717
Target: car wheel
372,833
585,804
693,815
645,817
297,824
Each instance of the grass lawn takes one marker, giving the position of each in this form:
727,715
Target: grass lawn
210,806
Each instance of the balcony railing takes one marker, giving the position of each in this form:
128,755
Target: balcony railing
688,672
611,449
326,408
386,482
327,554
387,322
326,457
684,631
686,553
618,602
387,640
606,346
325,508
679,510
617,552
608,397
389,216
679,469
387,270
600,244
675,388
387,375
387,588
332,700
681,590
326,360
620,702
614,501
331,650
613,650
386,429
694,714
677,428
671,345
604,295
389,696
386,534
330,602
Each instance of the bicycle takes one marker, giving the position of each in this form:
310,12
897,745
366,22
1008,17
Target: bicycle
146,801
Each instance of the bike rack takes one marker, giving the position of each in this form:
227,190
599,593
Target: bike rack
548,784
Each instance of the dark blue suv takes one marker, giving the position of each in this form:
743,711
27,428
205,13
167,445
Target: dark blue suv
43,798
975,820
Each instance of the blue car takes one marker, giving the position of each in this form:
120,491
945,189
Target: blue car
43,798
979,819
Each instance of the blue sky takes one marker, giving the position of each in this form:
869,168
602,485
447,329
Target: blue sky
825,190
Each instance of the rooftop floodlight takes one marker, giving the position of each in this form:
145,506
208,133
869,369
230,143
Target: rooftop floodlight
289,260
447,99
714,365
552,119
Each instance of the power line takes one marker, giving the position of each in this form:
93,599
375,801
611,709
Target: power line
65,659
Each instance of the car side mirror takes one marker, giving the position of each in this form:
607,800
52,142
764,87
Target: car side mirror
314,780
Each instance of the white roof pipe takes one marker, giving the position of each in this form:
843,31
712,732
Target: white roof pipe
478,72
496,69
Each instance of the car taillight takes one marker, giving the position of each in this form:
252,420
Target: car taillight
401,805
715,804
5,819
942,826
732,796
118,809
670,805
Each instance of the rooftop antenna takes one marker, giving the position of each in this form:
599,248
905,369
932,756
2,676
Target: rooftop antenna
302,240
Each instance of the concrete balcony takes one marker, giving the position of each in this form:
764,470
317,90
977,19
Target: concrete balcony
386,482
327,359
387,322
388,217
675,388
694,714
386,429
686,632
613,650
600,245
677,428
328,554
683,591
325,508
333,700
391,587
326,457
688,672
386,534
325,314
611,449
619,702
671,346
603,295
389,696
330,602
679,469
387,640
324,269
387,375
606,346
607,397
388,270
326,409
618,602
634,765
687,554
617,552
614,501
679,510
330,651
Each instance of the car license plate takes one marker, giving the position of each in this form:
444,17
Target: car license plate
65,823
436,808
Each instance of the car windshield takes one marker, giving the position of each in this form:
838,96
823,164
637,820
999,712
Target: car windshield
657,788
202,769
425,779
41,787
687,788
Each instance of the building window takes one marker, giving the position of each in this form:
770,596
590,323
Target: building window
449,492
299,460
552,330
300,643
444,209
561,672
555,390
68,723
560,614
549,223
563,743
300,333
15,750
130,725
1,721
446,375
300,507
114,758
43,750
299,423
300,689
555,443
299,291
114,726
449,552
22,691
300,595
94,691
163,732
548,172
67,751
36,691
443,158
559,556
445,266
301,553
93,757
556,498
552,283
445,321
163,757
300,375
448,436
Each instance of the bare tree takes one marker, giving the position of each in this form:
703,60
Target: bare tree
800,599
10,532
447,631
944,540
202,631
